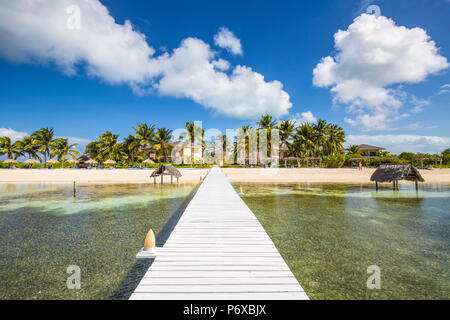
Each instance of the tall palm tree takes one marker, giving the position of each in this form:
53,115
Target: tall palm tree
44,140
62,149
162,142
267,123
27,147
321,132
245,143
8,147
131,145
286,130
109,146
193,134
145,133
92,150
305,140
336,139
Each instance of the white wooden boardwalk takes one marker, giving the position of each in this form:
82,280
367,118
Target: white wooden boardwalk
218,251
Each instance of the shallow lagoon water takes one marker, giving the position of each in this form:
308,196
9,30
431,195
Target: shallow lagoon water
330,234
43,230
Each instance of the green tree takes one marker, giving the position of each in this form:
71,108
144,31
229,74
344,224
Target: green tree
44,140
353,149
320,128
162,142
109,147
145,133
131,145
62,149
336,139
9,148
27,147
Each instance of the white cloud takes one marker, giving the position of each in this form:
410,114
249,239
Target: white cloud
304,117
444,89
36,32
403,142
418,104
227,40
13,134
372,55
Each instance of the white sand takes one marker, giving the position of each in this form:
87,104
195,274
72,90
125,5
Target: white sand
85,176
344,175
290,175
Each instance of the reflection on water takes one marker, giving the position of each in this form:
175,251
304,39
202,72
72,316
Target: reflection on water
43,230
330,234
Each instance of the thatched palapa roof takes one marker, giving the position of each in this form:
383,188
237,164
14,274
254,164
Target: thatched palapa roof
393,172
166,169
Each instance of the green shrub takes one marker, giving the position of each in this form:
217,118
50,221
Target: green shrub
334,161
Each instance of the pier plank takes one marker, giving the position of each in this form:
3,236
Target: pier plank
218,250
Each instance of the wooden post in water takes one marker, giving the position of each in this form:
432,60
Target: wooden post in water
376,185
417,185
162,175
74,189
171,179
154,180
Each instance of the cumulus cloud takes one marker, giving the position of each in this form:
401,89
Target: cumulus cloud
13,134
37,32
403,142
372,55
304,117
227,40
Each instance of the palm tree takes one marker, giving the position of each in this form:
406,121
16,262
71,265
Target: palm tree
245,143
305,140
92,150
62,149
267,123
146,136
336,139
354,149
193,134
11,149
27,147
131,145
43,139
109,147
321,131
286,130
162,142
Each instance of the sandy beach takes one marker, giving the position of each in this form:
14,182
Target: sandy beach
257,175
94,176
321,175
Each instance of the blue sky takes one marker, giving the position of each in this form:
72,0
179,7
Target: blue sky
49,79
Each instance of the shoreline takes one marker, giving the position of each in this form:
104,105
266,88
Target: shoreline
195,175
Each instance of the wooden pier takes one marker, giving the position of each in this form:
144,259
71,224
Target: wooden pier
218,251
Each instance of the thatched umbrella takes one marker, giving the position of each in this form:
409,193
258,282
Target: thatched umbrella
31,161
52,161
90,162
110,162
395,172
10,161
166,169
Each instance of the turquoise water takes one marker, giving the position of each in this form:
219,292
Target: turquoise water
330,234
43,230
